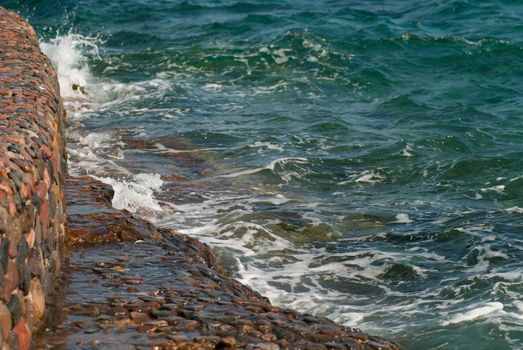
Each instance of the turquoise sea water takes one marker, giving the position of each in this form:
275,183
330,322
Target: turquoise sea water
361,160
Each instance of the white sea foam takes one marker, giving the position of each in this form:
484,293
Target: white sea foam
67,54
515,209
70,54
212,86
367,176
136,193
476,230
519,305
266,145
484,255
370,177
497,188
472,314
407,151
97,152
279,86
403,218
285,174
281,55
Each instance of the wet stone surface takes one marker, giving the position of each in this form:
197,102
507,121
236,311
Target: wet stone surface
158,289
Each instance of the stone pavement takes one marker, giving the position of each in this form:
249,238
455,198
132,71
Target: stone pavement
142,288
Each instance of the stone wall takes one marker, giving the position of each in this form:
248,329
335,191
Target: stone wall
32,169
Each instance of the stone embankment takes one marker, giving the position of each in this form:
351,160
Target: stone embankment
124,283
32,168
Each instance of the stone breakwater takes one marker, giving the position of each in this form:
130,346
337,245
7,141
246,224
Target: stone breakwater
125,284
130,285
32,168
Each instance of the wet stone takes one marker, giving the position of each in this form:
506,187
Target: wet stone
105,319
227,343
5,321
11,147
12,341
13,249
132,304
54,263
169,306
15,309
4,253
34,264
158,323
120,312
25,278
336,346
11,279
37,295
139,317
22,332
93,328
160,313
266,346
179,302
85,310
132,280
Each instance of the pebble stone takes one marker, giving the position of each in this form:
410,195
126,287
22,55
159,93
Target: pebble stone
37,297
5,321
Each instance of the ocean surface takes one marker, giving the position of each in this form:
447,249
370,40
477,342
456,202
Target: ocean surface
361,160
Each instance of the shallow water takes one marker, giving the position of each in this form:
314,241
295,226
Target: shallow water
351,159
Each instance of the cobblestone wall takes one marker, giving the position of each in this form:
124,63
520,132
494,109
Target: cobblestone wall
32,169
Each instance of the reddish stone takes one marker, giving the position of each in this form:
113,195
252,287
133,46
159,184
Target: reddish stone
42,189
132,280
46,179
24,191
37,298
139,317
23,334
12,248
5,321
11,279
266,346
4,186
12,206
228,343
30,238
44,218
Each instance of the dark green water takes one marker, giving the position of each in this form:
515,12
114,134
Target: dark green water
361,160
